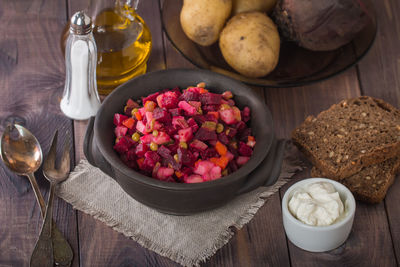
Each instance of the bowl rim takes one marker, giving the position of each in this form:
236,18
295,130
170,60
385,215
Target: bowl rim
338,186
149,181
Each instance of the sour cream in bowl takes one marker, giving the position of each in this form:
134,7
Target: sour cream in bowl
318,214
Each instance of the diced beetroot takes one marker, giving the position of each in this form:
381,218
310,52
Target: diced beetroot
147,138
207,108
120,131
124,144
227,116
179,122
212,142
232,166
190,96
185,157
195,154
131,104
141,127
223,138
244,150
163,173
141,149
152,97
131,163
243,136
189,109
242,160
211,117
195,104
246,114
128,111
194,178
119,118
197,144
194,89
230,132
153,156
149,116
164,151
192,123
176,90
161,115
176,112
240,126
210,99
148,165
204,135
203,167
208,153
233,150
167,100
173,147
131,131
170,130
185,135
161,138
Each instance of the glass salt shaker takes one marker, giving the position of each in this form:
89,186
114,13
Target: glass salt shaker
80,99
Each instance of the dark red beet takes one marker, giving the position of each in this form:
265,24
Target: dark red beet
161,115
233,150
223,138
210,99
130,163
243,135
245,114
124,144
192,123
232,166
164,152
207,108
230,132
240,126
186,157
119,118
209,153
170,130
120,131
244,150
189,96
141,149
175,112
168,100
151,97
203,134
321,25
153,156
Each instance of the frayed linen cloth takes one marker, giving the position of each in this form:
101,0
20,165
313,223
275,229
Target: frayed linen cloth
187,240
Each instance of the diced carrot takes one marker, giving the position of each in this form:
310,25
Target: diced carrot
128,123
202,90
214,113
221,162
140,162
138,116
178,174
221,148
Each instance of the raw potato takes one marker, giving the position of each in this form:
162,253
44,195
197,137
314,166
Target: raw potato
250,44
203,20
239,6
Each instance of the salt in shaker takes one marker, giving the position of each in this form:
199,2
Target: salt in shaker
80,99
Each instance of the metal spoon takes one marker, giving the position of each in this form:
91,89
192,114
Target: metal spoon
21,153
42,254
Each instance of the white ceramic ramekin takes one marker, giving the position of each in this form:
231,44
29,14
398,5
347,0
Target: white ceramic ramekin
319,238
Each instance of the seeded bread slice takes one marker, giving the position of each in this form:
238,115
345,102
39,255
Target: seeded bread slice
371,183
350,135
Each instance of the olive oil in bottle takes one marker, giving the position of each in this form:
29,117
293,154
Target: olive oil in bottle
123,43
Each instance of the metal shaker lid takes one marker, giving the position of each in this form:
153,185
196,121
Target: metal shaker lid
81,24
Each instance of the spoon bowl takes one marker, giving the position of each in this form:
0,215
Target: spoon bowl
20,150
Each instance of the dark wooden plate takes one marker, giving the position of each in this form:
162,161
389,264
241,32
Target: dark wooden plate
297,66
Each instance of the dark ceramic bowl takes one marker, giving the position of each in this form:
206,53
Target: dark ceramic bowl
175,198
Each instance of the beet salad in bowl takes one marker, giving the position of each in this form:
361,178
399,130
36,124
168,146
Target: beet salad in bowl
184,141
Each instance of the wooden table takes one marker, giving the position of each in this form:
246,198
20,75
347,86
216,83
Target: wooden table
31,84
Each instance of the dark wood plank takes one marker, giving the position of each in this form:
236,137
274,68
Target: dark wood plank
370,235
100,244
379,76
31,78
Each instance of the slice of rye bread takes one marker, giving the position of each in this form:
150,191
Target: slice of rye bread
350,135
371,183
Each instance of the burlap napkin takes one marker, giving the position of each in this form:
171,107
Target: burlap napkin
187,240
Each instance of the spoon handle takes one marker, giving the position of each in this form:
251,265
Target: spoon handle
37,192
62,250
42,254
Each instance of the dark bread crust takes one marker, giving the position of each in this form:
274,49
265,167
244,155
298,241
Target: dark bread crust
350,136
371,183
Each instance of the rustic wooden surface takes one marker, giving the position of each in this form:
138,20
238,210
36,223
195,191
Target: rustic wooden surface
31,82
